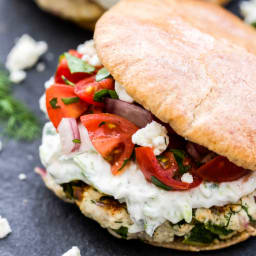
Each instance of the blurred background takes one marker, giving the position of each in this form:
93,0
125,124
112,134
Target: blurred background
41,223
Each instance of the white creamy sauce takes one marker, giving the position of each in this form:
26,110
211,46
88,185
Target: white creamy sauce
148,205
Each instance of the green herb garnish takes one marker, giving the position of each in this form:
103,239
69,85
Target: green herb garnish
67,81
122,231
53,103
16,119
102,123
77,141
71,100
159,184
77,65
124,164
98,96
102,74
218,230
199,235
179,156
254,24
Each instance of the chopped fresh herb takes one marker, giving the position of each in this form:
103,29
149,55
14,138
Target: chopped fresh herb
102,123
71,100
68,190
67,81
199,235
98,96
70,187
122,231
16,119
93,201
124,164
179,157
214,185
254,24
159,184
102,74
54,102
77,141
77,65
218,230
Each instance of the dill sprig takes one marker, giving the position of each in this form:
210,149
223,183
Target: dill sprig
16,119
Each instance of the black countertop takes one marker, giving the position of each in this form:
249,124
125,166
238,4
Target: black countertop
41,223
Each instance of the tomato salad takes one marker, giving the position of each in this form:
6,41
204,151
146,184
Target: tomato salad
86,94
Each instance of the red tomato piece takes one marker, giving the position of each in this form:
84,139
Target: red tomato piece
56,109
86,88
150,166
111,136
220,169
63,70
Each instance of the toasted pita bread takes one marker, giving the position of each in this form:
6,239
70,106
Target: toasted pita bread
192,64
84,12
111,213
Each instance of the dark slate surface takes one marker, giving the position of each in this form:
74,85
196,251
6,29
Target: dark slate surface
42,224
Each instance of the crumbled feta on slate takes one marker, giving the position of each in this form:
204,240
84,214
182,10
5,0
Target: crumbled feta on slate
154,135
23,55
18,76
122,94
187,177
5,228
22,176
248,10
40,67
74,251
89,53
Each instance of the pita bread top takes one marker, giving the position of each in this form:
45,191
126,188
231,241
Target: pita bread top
192,64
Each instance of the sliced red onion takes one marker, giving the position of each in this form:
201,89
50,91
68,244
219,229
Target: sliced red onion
42,172
69,135
191,149
134,113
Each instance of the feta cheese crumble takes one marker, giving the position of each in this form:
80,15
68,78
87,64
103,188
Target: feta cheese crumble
122,94
89,53
5,228
187,177
154,135
23,55
74,251
248,10
22,176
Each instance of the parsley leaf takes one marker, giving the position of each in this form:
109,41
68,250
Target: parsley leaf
53,103
71,100
199,235
102,74
67,81
179,156
122,231
77,141
77,65
159,184
98,96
